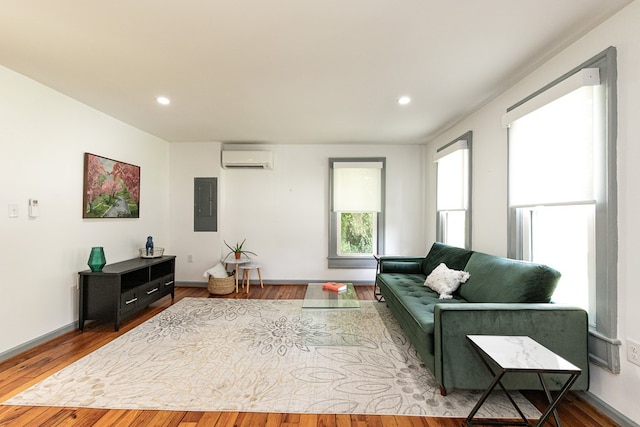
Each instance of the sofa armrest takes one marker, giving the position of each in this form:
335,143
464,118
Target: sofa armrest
562,329
399,264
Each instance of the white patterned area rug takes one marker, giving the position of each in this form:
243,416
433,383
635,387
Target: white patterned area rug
205,354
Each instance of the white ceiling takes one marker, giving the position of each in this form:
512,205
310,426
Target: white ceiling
288,71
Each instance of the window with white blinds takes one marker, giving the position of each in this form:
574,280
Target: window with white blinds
552,153
562,192
453,200
356,216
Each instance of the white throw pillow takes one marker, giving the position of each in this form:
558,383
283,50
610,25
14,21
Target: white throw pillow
218,271
445,281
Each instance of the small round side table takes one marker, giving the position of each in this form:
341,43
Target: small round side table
236,263
246,273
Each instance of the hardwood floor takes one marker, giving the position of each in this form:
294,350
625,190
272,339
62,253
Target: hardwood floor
30,367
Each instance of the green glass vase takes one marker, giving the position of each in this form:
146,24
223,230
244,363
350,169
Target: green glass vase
97,259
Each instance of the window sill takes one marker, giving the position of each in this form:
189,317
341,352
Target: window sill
364,262
604,351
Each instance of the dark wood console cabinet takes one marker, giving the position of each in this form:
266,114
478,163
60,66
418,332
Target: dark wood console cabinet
124,288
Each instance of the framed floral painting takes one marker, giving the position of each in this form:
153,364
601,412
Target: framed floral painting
111,188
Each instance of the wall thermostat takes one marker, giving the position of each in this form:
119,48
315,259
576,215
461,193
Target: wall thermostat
34,212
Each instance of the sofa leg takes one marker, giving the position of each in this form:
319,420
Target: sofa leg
443,391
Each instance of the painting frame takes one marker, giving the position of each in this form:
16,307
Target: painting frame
111,188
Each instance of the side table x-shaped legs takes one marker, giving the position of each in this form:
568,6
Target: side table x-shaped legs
520,354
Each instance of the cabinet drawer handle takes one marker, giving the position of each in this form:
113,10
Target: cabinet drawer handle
131,300
169,283
152,291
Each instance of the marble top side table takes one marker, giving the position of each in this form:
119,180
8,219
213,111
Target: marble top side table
520,354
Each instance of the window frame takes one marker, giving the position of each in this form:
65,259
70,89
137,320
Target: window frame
604,346
440,214
336,260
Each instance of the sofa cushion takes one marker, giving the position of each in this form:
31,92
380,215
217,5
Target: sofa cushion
445,281
401,280
504,280
417,300
455,258
409,267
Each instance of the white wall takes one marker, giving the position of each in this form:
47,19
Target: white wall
490,182
43,138
189,161
283,212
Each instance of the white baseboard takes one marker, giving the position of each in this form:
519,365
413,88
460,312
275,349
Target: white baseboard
279,282
610,412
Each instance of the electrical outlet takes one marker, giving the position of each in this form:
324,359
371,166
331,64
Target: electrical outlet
633,352
189,258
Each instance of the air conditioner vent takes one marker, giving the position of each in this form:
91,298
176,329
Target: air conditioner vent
247,159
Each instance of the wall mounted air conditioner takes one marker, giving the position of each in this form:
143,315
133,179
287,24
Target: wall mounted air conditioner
247,159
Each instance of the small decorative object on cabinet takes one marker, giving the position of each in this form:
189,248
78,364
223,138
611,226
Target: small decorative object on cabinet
149,246
151,251
96,259
124,288
157,252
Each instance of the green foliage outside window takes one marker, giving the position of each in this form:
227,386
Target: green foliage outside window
356,231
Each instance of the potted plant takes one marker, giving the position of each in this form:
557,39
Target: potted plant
237,250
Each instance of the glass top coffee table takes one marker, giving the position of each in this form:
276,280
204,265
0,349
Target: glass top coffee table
316,297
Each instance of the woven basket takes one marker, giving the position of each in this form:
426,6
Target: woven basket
222,286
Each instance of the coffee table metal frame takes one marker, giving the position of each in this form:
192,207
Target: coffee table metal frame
376,289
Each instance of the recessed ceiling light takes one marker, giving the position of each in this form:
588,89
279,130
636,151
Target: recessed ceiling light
163,100
404,100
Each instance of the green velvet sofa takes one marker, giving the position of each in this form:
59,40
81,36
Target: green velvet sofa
501,297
